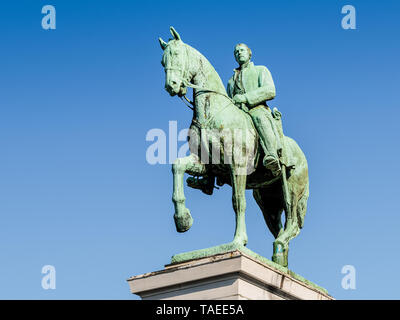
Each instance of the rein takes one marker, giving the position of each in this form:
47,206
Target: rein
193,86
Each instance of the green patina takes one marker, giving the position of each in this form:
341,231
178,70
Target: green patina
253,152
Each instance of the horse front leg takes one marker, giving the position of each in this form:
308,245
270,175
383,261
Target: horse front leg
192,165
239,205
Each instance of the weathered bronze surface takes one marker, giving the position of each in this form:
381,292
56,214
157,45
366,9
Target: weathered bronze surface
236,139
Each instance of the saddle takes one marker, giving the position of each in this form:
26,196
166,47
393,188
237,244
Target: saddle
207,183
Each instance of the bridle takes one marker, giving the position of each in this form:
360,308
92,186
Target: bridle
190,104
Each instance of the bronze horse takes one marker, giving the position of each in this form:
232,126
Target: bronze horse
215,117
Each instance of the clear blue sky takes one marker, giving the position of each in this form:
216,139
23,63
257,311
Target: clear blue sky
76,103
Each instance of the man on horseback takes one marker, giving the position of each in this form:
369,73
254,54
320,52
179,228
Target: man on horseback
250,87
284,186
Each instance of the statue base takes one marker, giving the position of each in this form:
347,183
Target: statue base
227,272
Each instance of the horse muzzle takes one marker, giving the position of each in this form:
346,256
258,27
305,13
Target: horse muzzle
176,89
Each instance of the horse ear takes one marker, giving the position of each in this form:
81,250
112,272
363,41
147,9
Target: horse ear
163,44
174,33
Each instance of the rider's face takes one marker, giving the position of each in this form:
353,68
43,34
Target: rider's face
242,54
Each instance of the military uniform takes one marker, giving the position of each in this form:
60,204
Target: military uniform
256,84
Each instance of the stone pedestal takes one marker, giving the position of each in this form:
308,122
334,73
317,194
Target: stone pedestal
234,275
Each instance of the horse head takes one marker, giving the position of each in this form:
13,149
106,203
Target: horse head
175,63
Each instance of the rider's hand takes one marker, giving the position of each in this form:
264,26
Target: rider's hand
240,98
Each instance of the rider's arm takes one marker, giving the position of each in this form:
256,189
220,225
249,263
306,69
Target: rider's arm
265,91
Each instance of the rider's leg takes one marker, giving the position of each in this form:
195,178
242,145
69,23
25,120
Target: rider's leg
262,117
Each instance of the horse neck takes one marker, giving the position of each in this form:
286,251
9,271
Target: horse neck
204,75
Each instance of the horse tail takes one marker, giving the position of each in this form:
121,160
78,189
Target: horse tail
302,206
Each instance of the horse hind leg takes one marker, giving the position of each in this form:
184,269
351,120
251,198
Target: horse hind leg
291,230
271,208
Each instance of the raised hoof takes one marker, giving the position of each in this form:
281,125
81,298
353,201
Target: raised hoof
184,221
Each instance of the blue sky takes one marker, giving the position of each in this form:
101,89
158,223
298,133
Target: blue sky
76,103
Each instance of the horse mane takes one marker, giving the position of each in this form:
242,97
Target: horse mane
207,67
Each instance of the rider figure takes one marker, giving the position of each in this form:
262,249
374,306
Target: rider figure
250,87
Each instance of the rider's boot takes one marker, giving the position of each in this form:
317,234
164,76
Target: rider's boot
271,162
268,140
205,184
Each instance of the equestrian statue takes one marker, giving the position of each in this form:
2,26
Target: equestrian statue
236,139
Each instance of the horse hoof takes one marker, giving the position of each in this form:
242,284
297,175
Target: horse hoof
184,221
240,242
280,255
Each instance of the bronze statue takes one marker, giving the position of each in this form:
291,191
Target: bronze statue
251,87
252,151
